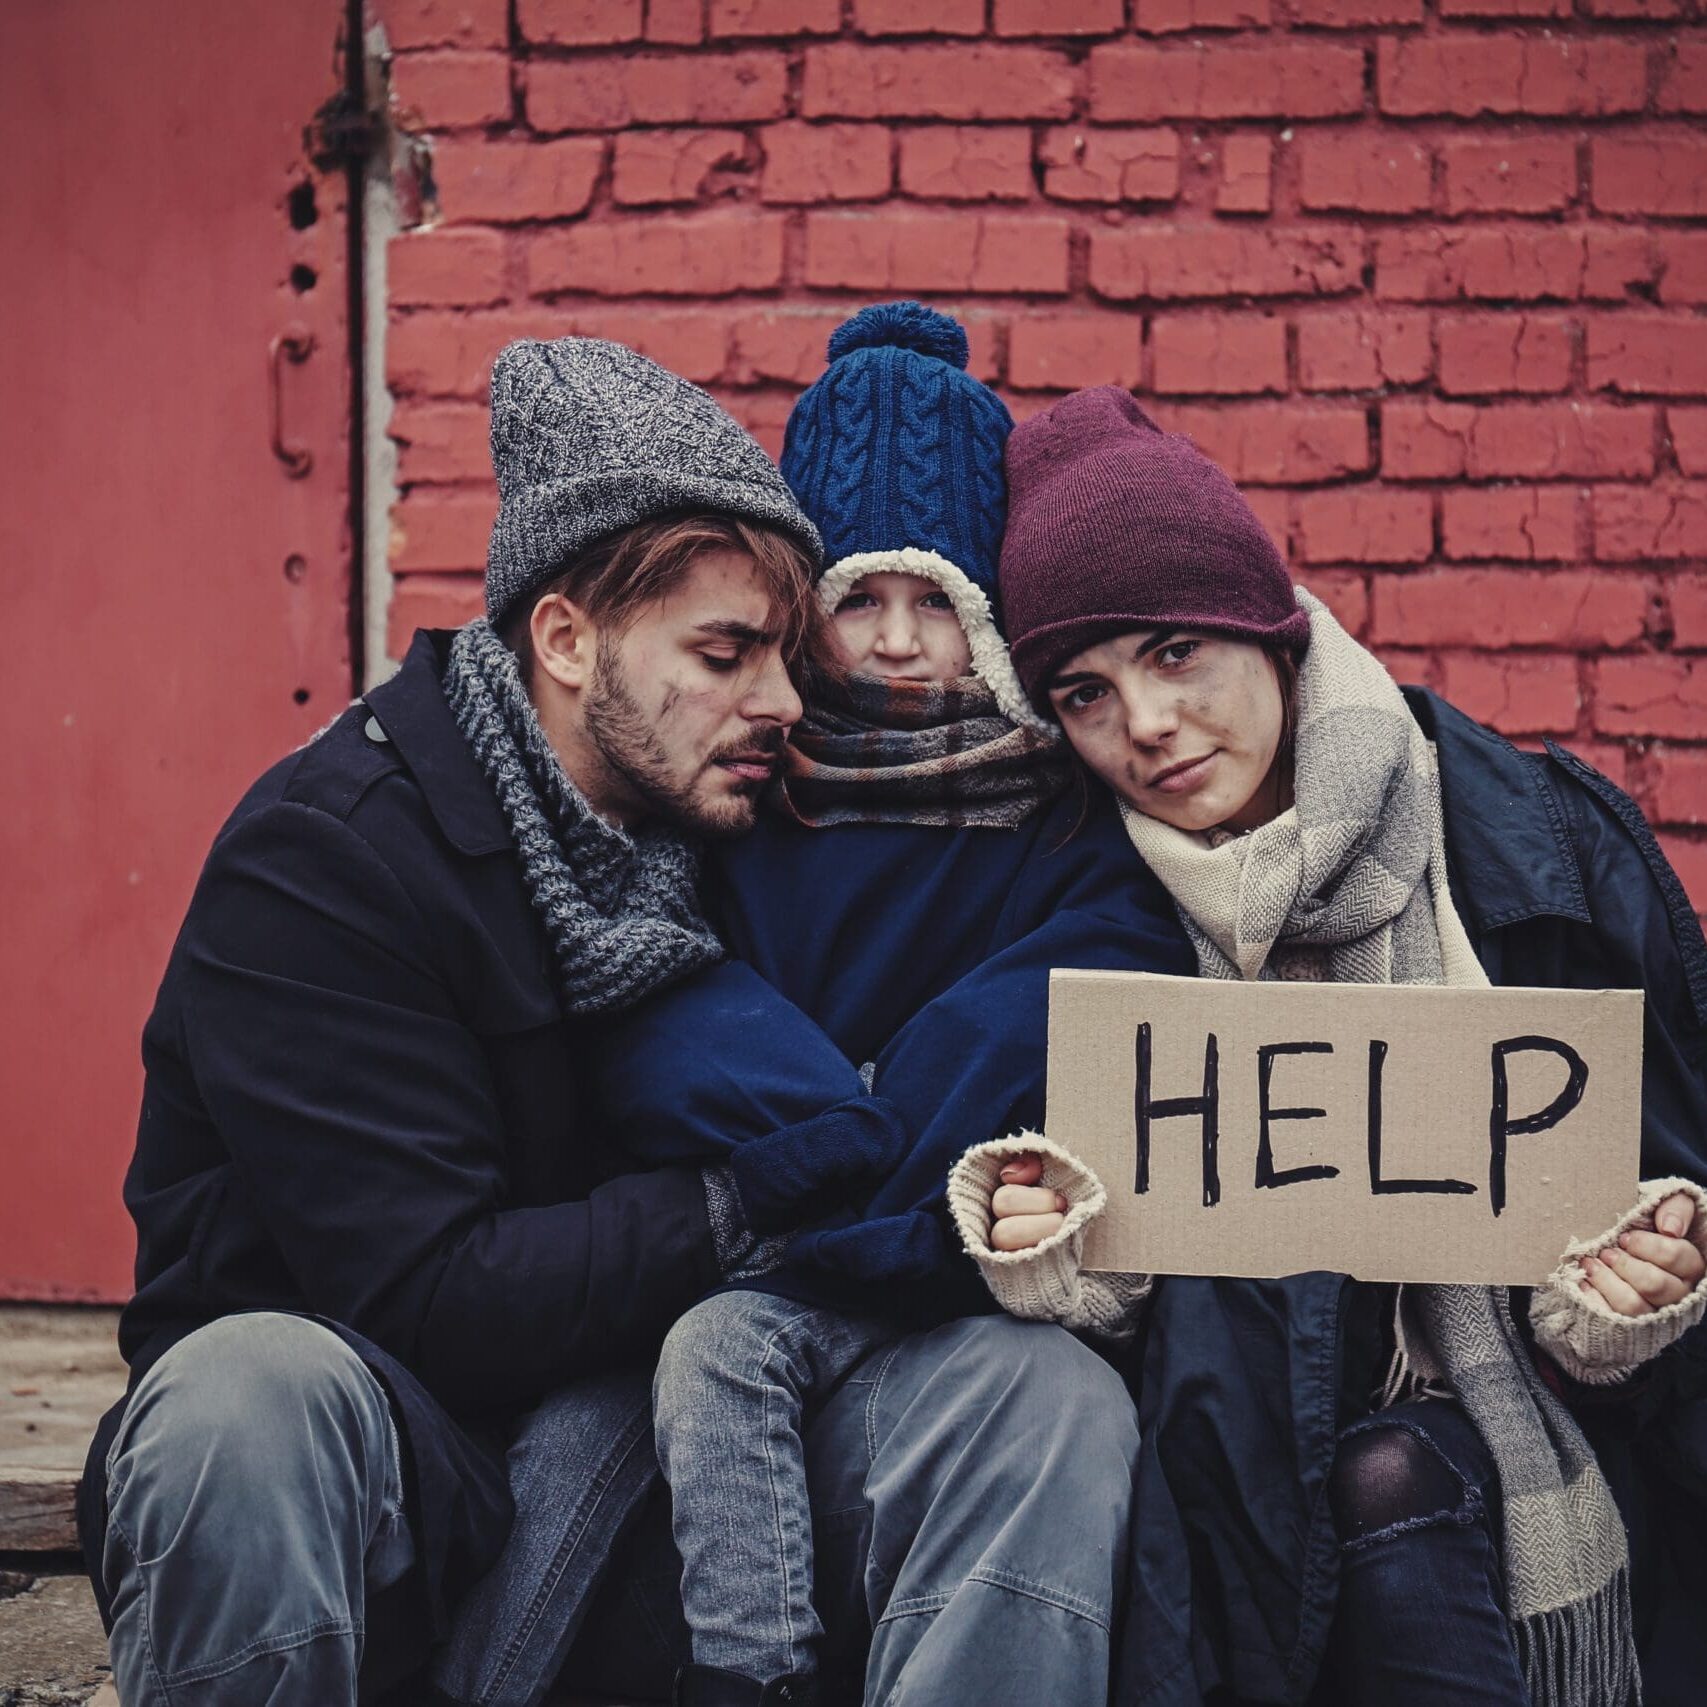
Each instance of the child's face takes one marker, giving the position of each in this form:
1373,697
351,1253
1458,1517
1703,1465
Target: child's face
902,627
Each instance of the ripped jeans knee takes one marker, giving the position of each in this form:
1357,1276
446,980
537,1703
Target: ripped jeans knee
1420,1619
1410,1468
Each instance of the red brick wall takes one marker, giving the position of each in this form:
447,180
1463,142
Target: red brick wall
1429,277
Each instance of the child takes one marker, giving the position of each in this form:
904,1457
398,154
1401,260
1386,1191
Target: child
928,757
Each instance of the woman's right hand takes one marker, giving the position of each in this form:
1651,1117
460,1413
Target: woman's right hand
1025,1213
1025,1236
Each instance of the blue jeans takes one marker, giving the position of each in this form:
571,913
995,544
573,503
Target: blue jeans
581,1467
1421,1616
970,1491
255,1502
727,1404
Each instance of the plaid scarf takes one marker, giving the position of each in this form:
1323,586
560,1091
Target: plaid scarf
874,751
1357,869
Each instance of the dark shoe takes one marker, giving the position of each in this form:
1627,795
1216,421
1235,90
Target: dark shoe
712,1686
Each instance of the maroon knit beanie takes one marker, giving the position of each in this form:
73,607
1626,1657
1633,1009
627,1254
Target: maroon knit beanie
1114,524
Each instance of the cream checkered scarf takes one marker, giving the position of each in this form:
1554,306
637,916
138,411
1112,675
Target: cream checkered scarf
1357,870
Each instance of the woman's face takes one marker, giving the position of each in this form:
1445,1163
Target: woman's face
1185,727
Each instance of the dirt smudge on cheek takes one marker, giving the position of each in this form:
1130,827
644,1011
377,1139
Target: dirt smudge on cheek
1207,701
683,702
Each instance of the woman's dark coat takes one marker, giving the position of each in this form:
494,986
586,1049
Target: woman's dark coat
1243,1385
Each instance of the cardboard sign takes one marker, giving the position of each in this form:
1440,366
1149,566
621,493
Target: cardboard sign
1386,1132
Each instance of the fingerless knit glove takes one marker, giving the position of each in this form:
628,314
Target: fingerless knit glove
1583,1334
1044,1283
800,1172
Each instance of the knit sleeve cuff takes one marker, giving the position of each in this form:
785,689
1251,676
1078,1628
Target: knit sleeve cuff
1583,1334
1043,1283
733,1241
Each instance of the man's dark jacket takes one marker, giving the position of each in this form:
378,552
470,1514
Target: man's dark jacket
1243,1385
363,1103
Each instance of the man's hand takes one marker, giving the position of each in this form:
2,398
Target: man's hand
1644,1271
1026,1213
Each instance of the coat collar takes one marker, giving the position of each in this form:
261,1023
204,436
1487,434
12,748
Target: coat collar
1507,846
412,710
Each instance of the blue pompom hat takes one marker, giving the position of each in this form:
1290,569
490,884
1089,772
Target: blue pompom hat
895,454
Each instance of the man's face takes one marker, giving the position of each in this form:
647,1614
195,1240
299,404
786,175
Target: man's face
691,703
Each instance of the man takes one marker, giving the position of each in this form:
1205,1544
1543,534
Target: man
380,1241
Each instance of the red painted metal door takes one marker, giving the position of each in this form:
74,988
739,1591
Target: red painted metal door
175,536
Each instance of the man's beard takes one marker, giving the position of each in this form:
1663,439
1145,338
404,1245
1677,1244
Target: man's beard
627,743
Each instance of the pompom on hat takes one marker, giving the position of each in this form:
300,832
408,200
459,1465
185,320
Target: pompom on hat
897,445
1114,524
895,454
903,325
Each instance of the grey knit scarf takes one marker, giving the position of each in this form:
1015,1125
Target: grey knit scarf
1357,870
622,911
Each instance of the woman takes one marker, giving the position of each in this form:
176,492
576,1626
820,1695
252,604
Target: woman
1312,822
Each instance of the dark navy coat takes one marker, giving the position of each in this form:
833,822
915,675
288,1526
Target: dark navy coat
921,950
1243,1385
363,1102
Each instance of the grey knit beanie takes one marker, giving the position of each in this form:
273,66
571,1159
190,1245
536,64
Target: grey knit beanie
590,437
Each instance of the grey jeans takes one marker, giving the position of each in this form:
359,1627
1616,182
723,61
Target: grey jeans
255,1500
970,1490
728,1399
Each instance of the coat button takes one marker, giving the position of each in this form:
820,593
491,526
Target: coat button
372,730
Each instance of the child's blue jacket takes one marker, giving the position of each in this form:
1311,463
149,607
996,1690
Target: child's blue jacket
923,950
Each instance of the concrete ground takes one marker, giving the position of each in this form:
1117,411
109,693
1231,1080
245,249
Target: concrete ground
59,1370
52,1650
